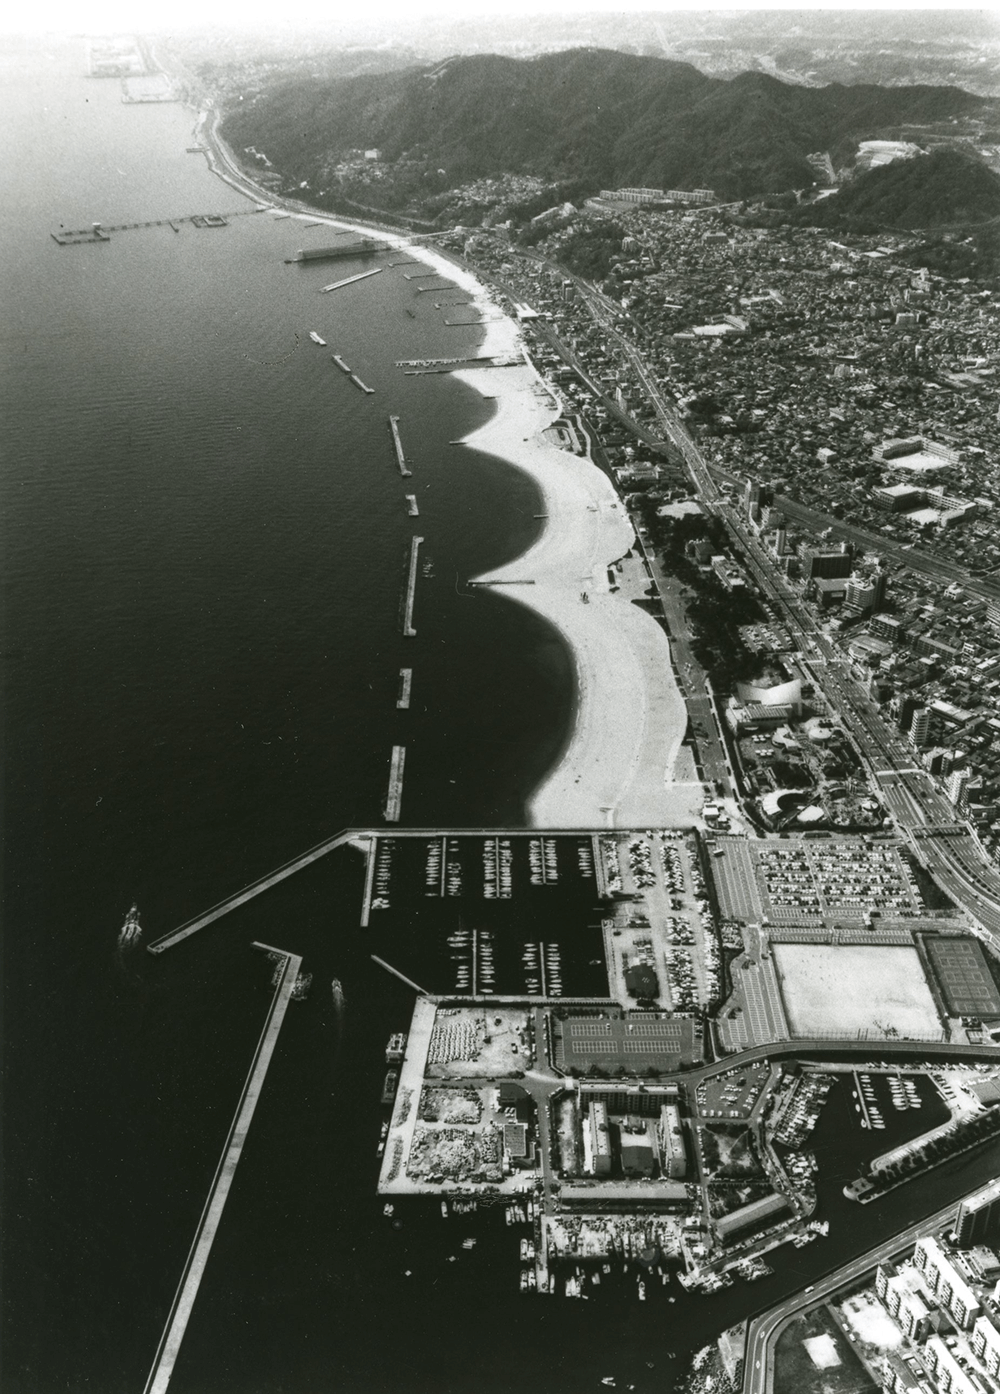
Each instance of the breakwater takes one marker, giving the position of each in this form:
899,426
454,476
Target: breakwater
411,587
211,1216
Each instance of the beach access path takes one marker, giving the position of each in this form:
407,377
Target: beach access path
617,769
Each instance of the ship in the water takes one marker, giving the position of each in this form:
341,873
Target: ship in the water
131,930
338,994
316,339
394,1050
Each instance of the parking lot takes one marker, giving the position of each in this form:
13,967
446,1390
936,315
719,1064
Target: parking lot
665,926
733,1094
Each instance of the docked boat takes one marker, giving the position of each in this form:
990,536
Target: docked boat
131,930
316,339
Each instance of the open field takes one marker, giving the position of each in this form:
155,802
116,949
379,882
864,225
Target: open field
847,988
813,1356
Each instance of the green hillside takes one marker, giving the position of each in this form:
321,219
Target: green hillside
590,117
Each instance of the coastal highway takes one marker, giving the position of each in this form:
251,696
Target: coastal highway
763,1331
916,806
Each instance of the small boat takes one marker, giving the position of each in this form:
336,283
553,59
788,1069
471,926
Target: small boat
316,339
131,930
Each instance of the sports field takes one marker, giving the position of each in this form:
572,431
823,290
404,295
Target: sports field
964,977
852,988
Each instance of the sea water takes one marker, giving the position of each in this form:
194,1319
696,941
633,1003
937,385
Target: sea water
205,542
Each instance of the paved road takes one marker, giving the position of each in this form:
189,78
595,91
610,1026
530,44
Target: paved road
914,803
763,1332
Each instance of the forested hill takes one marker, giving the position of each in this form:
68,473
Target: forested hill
590,117
942,189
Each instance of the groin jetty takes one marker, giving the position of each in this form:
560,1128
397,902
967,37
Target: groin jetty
211,1215
405,687
349,280
400,457
255,888
394,797
411,588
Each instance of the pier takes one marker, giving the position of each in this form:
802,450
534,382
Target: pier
211,1215
405,687
397,974
366,902
349,280
400,457
99,232
394,797
241,897
411,586
413,510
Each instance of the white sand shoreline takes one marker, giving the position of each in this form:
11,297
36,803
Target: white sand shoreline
617,768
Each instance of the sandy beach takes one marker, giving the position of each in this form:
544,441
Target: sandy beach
618,767
623,765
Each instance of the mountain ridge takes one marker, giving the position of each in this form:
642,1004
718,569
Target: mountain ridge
596,117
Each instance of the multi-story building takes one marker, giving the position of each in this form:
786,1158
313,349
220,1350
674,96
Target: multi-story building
600,1138
920,727
904,1295
946,1283
979,1217
986,1344
956,786
825,563
948,1374
670,1134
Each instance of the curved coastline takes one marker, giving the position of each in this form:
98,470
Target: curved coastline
617,767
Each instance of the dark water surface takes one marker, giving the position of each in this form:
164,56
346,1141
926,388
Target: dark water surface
204,543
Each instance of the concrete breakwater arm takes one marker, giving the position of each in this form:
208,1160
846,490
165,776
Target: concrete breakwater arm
400,457
411,587
211,1215
247,893
349,280
394,798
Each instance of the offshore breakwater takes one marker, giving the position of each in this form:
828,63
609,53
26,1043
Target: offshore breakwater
204,684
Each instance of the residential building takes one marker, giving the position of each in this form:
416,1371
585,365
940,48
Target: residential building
979,1217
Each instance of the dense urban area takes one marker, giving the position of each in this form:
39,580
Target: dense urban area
642,1039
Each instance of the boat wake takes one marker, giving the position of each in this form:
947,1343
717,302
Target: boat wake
131,931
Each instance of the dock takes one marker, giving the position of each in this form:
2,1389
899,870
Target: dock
101,232
211,1215
411,587
241,897
411,499
358,383
400,457
366,903
394,798
349,280
405,687
397,974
